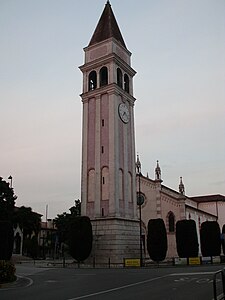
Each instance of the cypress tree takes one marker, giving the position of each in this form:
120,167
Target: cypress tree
80,238
223,239
157,240
186,238
210,238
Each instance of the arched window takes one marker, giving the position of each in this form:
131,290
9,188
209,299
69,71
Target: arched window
91,185
17,243
171,221
105,183
119,78
103,76
92,81
126,83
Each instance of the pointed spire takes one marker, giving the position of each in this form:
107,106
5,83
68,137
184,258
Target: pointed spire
147,175
138,165
157,171
181,187
107,27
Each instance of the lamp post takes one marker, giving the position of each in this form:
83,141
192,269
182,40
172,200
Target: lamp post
140,201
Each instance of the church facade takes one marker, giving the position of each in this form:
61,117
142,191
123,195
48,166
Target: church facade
163,202
109,179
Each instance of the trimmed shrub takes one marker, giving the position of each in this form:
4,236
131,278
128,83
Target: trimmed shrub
210,238
223,239
80,238
186,238
157,240
7,271
6,240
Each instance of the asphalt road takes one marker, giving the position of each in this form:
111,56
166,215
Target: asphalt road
173,283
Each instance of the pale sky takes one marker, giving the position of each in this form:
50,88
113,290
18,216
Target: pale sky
178,51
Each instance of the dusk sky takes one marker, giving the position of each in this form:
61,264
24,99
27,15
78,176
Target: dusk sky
178,51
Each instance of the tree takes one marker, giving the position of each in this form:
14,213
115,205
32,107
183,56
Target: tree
210,238
186,238
157,239
75,231
62,221
223,239
30,223
7,202
6,240
28,220
80,238
76,209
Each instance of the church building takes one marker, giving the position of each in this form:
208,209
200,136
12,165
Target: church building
109,180
163,202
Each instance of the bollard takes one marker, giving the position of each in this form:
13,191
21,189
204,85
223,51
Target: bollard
109,262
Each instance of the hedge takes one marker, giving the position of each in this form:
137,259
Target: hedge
186,238
7,271
157,240
223,239
210,238
6,240
80,238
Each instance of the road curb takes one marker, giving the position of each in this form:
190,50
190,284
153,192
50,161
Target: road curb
21,281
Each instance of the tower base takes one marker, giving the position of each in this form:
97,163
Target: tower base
115,239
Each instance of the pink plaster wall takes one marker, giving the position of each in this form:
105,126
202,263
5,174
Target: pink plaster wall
129,150
105,130
91,134
213,208
121,145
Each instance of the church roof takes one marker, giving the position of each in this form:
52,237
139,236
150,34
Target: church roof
208,198
107,27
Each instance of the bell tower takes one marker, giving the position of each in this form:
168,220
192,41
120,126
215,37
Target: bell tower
108,181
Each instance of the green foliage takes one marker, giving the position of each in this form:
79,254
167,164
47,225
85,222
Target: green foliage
157,240
210,238
80,238
76,209
223,239
62,221
6,240
7,271
28,220
186,238
32,247
7,201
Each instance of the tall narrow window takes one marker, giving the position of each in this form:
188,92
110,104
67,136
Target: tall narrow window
171,221
102,149
126,83
103,122
103,76
92,81
119,78
105,185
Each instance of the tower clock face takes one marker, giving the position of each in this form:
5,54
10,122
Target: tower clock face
124,113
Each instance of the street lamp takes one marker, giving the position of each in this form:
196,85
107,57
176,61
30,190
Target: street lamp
140,201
